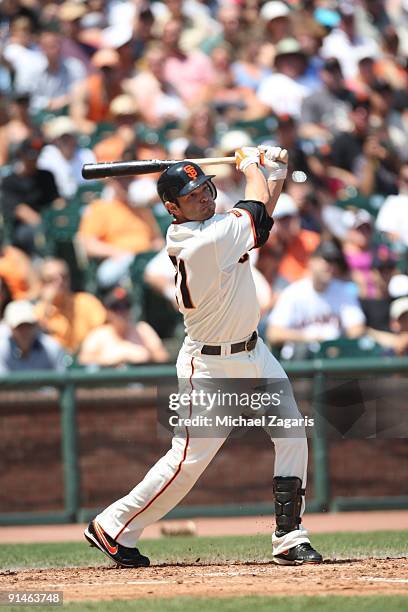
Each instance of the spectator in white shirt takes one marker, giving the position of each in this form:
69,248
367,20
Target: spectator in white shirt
346,44
393,216
23,54
63,157
283,91
55,79
316,308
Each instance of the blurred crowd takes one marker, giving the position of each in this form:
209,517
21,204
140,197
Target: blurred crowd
84,279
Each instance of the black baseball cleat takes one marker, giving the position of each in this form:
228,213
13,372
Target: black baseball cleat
121,555
299,555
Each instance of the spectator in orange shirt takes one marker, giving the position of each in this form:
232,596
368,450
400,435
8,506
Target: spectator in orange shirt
66,316
115,230
91,98
296,244
18,273
121,340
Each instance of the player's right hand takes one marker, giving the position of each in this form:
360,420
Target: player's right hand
275,161
246,156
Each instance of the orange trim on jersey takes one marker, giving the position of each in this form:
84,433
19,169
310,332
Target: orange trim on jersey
241,210
177,472
235,212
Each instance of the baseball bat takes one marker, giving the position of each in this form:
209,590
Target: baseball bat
145,166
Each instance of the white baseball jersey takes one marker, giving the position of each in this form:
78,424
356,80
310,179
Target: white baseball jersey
215,289
326,314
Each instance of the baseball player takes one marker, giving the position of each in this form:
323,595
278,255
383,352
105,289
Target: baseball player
216,294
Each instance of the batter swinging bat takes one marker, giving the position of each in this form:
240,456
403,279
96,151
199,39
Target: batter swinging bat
130,168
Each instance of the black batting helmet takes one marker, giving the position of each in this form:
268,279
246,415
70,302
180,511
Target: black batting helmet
181,178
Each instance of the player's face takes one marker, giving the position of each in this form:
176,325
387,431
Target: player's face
198,205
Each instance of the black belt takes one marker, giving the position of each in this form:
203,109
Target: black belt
238,347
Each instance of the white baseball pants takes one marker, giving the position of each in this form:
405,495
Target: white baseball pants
172,477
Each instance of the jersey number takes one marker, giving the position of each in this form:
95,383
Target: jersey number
185,292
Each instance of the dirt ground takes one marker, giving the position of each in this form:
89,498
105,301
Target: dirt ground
345,577
342,577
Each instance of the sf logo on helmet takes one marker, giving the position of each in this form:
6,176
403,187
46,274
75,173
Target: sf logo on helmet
190,171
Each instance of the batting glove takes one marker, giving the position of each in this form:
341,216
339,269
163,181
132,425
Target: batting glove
275,161
246,156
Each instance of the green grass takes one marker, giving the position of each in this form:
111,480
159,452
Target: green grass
392,603
260,604
204,550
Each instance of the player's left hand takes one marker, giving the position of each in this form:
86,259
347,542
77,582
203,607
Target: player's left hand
275,160
246,156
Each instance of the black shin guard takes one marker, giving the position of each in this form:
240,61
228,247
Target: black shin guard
288,502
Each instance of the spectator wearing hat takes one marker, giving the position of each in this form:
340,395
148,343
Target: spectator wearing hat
121,341
68,317
325,111
18,127
63,157
26,192
125,117
346,44
396,341
283,91
23,54
120,38
157,100
316,308
55,80
91,98
70,15
23,347
277,22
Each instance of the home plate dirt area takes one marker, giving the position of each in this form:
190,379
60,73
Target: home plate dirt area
339,577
